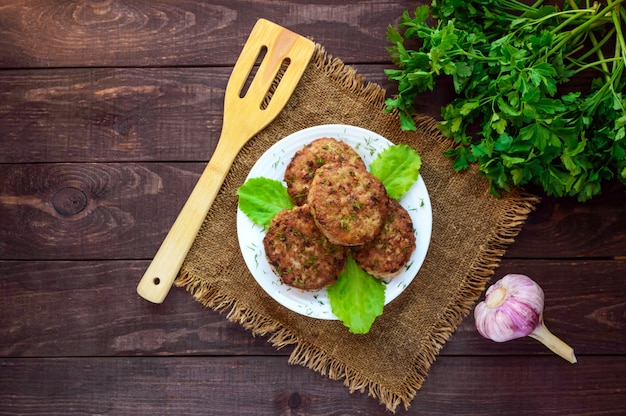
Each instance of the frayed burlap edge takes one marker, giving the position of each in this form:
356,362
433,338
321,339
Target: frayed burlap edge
309,355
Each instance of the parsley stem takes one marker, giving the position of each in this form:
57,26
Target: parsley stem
585,26
620,47
602,59
519,6
577,13
603,62
597,45
537,4
477,57
570,20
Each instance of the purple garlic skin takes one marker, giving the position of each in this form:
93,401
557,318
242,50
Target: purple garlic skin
513,308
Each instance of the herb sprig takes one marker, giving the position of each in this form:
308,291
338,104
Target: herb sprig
514,114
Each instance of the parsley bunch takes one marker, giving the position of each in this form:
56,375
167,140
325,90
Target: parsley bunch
515,113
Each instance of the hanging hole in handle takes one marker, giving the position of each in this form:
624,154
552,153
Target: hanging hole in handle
279,75
156,281
253,71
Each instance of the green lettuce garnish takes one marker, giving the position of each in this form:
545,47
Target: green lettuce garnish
357,298
262,198
398,168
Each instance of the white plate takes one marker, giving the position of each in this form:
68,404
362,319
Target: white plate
273,164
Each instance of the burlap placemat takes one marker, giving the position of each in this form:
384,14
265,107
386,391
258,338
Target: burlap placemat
471,230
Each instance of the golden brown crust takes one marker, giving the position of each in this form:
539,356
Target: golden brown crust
349,204
299,253
391,250
301,169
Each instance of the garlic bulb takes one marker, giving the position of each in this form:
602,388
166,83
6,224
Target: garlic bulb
513,308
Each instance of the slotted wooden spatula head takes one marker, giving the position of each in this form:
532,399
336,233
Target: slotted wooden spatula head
285,57
248,108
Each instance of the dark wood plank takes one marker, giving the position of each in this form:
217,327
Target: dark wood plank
37,33
82,308
108,210
90,211
49,309
268,385
103,211
111,114
566,228
128,114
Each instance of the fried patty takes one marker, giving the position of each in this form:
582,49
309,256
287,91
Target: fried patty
386,255
349,204
299,253
306,161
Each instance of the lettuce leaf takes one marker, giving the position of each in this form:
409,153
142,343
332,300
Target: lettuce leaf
261,198
357,298
398,168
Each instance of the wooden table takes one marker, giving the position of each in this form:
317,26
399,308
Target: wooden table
109,111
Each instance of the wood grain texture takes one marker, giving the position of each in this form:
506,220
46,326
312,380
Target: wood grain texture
38,33
566,228
527,386
108,210
41,215
125,114
585,306
111,114
109,111
102,315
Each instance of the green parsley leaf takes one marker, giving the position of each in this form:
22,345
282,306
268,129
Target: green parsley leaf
515,114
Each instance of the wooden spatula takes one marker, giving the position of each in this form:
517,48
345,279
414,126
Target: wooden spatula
246,112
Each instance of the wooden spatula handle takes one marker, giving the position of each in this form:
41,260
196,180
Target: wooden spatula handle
244,116
161,273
